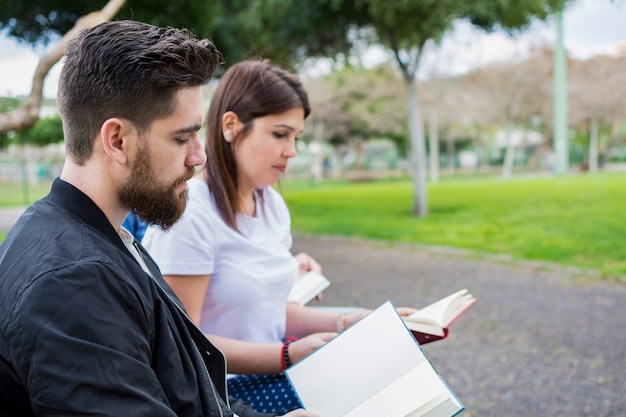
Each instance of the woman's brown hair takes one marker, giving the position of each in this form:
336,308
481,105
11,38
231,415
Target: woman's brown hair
250,89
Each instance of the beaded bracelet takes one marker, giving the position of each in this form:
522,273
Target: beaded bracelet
285,361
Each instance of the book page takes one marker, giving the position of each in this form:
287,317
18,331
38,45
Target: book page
307,287
440,312
361,362
400,399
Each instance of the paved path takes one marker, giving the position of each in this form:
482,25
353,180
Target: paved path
8,217
537,342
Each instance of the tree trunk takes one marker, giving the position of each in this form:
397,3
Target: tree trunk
451,150
418,147
593,145
433,138
317,168
485,154
509,155
28,113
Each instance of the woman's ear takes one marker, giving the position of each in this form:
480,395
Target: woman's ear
231,125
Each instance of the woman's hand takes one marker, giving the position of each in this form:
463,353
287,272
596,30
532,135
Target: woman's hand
406,311
354,317
306,263
302,347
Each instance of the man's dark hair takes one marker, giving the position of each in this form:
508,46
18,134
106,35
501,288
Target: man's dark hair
130,70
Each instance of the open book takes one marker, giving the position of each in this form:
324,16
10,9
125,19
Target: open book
432,322
307,287
375,368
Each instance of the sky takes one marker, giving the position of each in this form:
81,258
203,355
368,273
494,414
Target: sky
590,27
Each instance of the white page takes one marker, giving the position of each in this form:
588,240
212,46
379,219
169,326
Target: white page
401,398
436,312
357,364
307,287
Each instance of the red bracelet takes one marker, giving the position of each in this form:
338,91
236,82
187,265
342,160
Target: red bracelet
284,360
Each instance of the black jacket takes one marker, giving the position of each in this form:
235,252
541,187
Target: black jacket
85,331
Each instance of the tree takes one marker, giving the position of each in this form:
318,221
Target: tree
290,31
366,99
40,28
48,130
41,22
7,104
596,100
406,26
284,30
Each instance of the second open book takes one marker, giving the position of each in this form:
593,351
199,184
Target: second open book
432,322
373,369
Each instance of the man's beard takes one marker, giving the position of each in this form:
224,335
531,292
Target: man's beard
154,203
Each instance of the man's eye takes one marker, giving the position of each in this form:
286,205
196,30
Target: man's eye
181,141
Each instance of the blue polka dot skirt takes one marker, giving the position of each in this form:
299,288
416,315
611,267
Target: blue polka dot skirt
267,393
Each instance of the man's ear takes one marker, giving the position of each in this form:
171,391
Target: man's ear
231,125
115,136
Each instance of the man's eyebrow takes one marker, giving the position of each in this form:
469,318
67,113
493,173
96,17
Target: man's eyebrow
189,129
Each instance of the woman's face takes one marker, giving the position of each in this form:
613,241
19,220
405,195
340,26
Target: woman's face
262,155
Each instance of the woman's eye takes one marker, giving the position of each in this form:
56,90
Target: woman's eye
280,135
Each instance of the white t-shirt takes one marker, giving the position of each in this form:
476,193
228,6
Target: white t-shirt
251,273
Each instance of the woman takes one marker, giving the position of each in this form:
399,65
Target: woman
228,258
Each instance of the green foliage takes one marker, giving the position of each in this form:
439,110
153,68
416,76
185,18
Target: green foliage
16,194
46,131
7,104
361,103
574,220
39,21
287,31
510,14
406,25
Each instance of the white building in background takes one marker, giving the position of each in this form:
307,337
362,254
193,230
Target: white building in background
517,138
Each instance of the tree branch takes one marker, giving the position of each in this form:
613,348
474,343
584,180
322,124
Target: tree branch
28,113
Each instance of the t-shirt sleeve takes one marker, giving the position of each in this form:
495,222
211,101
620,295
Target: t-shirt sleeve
188,248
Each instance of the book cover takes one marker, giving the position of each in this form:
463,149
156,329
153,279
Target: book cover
357,374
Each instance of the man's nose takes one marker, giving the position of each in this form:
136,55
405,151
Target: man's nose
197,155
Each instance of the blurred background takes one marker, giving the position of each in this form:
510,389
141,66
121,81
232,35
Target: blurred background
459,89
421,92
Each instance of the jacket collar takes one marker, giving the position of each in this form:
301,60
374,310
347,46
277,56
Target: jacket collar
80,205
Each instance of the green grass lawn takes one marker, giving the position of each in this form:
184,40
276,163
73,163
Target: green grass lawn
13,194
573,220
